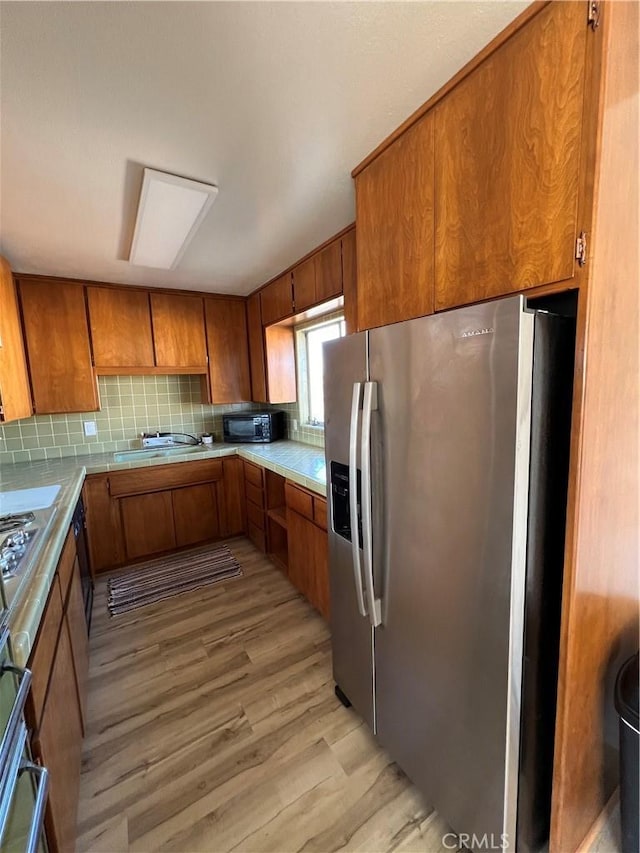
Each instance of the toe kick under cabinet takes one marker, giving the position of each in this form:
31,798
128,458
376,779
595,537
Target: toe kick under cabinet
140,512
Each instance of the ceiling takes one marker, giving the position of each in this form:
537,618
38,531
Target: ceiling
275,102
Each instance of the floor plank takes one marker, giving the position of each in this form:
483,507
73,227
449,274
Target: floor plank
213,726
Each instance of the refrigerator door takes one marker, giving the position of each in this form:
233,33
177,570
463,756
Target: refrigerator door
450,484
345,372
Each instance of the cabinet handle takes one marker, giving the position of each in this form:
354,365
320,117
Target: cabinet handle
16,712
37,821
10,773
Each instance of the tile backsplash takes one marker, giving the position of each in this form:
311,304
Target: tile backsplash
130,405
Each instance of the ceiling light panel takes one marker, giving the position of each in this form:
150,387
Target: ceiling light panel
170,211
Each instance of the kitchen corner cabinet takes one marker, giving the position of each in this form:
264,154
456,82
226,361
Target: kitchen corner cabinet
179,335
276,300
15,395
308,545
507,155
120,321
395,224
58,348
256,350
228,347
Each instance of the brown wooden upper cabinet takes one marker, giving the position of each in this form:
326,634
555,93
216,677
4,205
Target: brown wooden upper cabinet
276,300
120,323
178,330
256,350
319,278
15,396
395,224
507,153
229,374
58,350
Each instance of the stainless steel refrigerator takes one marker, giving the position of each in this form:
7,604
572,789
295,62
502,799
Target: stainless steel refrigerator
447,453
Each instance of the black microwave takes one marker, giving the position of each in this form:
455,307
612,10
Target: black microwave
257,427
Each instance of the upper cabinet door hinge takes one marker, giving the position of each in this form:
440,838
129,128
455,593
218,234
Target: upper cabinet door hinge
581,249
593,16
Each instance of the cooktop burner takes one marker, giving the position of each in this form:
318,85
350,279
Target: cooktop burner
14,522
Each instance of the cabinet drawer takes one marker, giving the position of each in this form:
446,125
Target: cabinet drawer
255,515
320,512
65,564
254,474
254,495
257,536
141,480
299,501
41,660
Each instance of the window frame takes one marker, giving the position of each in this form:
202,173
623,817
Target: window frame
303,364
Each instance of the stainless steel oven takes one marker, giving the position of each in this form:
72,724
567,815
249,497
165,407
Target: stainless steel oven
23,784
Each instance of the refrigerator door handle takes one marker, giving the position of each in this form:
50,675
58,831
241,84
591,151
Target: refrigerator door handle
370,402
353,496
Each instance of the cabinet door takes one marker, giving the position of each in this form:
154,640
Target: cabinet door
256,350
195,514
57,339
349,281
147,521
394,212
300,537
232,520
228,348
304,284
15,396
79,637
319,592
328,265
104,525
507,159
281,364
59,748
120,323
277,300
178,330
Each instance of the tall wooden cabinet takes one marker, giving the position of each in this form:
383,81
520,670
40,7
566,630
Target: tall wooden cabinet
58,347
15,396
395,224
227,344
256,350
507,161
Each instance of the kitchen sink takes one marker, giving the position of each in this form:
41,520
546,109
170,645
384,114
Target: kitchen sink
156,452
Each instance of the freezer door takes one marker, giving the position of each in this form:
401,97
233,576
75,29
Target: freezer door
452,442
345,368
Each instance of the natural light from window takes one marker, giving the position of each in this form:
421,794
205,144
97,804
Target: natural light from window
311,366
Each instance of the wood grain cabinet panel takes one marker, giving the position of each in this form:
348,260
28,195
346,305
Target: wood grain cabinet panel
300,545
120,322
276,300
304,284
147,522
328,263
79,637
349,285
256,350
281,364
507,151
178,330
104,524
58,745
15,394
195,514
58,350
43,653
319,596
228,347
395,216
162,477
232,521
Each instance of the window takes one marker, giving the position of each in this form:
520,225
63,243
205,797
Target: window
309,341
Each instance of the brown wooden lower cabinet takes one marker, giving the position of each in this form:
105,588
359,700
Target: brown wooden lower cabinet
308,549
147,522
60,665
195,514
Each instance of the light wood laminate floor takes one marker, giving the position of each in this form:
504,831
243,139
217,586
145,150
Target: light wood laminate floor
213,726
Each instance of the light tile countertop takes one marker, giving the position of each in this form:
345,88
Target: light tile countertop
301,463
